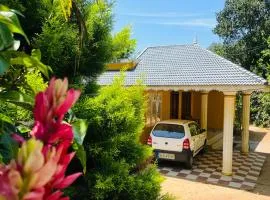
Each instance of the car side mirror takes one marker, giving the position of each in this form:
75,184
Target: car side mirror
202,130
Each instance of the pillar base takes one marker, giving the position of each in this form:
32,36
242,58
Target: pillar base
244,153
227,174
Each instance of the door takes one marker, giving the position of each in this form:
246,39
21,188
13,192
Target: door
174,105
186,105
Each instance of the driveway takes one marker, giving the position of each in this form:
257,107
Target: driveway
182,188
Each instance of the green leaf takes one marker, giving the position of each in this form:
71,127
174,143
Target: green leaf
11,20
4,8
8,147
79,129
6,119
4,64
18,98
23,129
6,38
32,61
81,154
36,54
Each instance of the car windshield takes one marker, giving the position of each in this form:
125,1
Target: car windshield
169,131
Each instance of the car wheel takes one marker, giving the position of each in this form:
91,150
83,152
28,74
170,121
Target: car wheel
189,162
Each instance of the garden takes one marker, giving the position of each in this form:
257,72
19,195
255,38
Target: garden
65,137
62,136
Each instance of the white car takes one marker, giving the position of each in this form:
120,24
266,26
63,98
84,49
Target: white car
177,140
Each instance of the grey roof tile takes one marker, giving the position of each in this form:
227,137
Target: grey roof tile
184,65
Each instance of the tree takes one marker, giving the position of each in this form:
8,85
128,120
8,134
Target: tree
123,46
33,10
243,25
117,162
217,48
69,57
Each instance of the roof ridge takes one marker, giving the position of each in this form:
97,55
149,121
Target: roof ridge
172,45
238,66
169,45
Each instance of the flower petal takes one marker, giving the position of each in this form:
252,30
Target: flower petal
68,181
71,98
18,138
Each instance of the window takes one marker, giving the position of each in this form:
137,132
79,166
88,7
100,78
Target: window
193,129
169,131
154,109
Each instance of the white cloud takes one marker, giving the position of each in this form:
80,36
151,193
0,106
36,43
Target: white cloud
201,22
162,14
175,19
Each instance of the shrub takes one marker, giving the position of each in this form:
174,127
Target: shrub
260,109
114,152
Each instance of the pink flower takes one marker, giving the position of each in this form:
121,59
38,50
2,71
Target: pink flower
49,111
39,171
27,176
50,108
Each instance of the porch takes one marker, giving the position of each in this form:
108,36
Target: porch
213,110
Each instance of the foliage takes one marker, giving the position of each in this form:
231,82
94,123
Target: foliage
260,109
123,46
31,9
238,114
218,49
38,169
17,88
61,51
35,81
66,53
244,27
117,163
9,24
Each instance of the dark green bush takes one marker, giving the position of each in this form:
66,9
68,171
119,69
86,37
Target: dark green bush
117,163
260,109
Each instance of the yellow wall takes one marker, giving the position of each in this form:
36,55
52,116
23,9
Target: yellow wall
215,110
195,105
165,107
119,66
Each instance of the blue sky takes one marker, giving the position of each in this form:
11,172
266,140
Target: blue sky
163,22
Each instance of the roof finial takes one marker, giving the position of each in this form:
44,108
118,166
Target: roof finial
195,40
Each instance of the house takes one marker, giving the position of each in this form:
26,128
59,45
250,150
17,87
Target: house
190,82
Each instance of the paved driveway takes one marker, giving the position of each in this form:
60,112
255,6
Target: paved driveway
207,169
183,187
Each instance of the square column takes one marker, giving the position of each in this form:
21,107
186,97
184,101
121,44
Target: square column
180,105
229,110
245,122
204,107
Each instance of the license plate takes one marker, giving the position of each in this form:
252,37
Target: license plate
166,156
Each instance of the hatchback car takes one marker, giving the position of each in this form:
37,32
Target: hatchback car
177,140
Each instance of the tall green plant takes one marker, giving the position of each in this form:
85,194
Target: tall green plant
117,163
14,64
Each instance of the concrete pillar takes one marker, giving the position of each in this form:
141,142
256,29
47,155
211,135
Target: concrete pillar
245,122
229,110
180,105
204,106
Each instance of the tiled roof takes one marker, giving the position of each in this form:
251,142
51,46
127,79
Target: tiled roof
184,65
